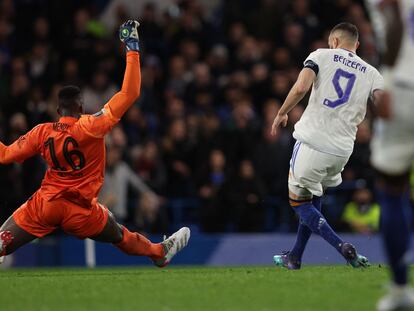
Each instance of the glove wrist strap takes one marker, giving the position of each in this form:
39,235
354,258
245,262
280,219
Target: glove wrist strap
132,45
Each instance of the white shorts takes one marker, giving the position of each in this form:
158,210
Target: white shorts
312,171
393,142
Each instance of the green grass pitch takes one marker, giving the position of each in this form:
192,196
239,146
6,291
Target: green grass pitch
192,288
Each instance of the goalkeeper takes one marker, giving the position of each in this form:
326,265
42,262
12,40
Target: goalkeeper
74,150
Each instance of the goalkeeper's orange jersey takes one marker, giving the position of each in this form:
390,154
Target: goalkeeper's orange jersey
73,148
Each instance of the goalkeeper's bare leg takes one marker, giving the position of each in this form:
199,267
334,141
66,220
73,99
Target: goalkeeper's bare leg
133,243
13,237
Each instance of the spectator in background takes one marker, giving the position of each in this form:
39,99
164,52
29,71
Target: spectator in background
5,44
245,193
135,126
150,216
40,63
280,85
295,41
259,84
281,59
148,164
302,15
96,94
70,74
118,138
218,61
362,214
178,156
243,131
210,137
210,182
179,77
271,158
19,88
37,107
114,193
359,164
18,126
151,80
175,108
80,41
41,30
201,84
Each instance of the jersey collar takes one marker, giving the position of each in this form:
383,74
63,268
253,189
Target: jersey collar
68,120
347,50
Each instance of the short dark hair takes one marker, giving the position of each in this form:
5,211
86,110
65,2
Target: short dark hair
349,28
68,96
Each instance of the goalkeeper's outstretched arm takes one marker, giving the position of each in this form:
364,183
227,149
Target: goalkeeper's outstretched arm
23,148
131,85
99,124
130,90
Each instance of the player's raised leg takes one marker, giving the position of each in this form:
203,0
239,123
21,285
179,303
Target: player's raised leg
133,243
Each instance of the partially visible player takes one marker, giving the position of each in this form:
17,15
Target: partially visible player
393,148
325,134
74,150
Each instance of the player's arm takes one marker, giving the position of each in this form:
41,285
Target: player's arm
379,97
394,27
23,148
99,124
382,104
300,88
120,102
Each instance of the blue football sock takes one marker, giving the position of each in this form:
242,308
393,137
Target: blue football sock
315,221
302,238
395,227
317,202
304,234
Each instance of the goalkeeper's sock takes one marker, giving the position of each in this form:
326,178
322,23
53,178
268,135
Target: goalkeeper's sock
395,228
304,233
315,221
136,244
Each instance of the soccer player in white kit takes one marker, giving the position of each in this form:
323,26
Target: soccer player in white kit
393,147
342,85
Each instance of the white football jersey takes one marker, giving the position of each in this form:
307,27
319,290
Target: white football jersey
338,101
404,67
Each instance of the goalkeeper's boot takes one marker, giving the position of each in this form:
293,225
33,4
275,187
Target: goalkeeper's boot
399,297
352,257
286,261
5,239
173,245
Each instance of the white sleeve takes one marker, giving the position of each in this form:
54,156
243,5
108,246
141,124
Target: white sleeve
377,83
313,61
314,57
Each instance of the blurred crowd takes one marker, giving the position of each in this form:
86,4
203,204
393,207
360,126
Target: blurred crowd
195,148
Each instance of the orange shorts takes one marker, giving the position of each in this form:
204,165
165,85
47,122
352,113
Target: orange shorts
40,217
